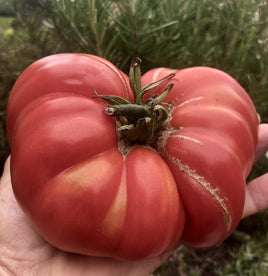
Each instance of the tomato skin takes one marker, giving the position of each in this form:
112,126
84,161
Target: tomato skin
54,125
68,73
209,147
79,191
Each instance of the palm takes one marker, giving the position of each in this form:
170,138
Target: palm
24,252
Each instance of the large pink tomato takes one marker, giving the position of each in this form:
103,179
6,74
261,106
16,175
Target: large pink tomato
160,164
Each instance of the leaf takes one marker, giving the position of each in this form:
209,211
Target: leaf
112,100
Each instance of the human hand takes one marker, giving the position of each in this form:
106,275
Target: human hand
24,252
257,189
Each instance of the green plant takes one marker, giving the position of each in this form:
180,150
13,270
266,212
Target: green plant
6,8
249,258
5,23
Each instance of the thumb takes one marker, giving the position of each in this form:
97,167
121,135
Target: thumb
262,146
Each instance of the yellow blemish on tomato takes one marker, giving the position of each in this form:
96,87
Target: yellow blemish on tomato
183,137
115,216
156,74
86,173
190,101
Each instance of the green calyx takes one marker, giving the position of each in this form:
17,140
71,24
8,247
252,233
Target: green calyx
138,122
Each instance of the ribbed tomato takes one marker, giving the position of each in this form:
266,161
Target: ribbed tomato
159,165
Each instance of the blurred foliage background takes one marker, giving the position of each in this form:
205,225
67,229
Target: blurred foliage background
231,35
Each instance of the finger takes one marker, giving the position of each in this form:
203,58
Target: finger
256,196
262,146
